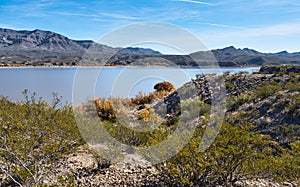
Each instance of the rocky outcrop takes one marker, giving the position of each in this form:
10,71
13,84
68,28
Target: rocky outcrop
269,113
263,183
85,168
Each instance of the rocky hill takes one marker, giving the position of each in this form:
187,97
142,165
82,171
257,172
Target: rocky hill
257,145
269,99
14,42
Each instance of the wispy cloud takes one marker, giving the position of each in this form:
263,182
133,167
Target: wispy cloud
100,15
280,30
73,14
101,20
30,8
119,16
194,1
42,3
272,38
221,25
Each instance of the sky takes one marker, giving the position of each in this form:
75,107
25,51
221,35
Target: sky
263,25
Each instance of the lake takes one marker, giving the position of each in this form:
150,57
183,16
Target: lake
77,84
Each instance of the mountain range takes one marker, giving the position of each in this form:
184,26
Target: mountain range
46,48
230,56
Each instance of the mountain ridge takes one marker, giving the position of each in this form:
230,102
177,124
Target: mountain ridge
39,47
12,42
246,56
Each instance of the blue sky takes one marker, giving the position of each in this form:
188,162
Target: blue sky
264,25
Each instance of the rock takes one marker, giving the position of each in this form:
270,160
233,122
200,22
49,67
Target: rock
82,160
86,171
262,183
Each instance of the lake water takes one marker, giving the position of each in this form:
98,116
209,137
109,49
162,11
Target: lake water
76,85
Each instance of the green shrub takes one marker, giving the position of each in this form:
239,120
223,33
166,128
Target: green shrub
33,135
192,109
267,89
229,85
237,154
234,102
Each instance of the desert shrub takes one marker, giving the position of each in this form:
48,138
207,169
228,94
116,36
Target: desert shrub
229,85
143,115
160,95
122,105
282,165
133,137
237,154
162,89
33,135
164,86
193,108
294,85
234,102
262,91
243,72
287,132
267,89
142,98
105,109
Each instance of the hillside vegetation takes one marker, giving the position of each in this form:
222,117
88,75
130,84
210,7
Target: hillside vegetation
258,139
33,136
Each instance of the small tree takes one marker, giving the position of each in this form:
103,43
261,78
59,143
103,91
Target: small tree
164,86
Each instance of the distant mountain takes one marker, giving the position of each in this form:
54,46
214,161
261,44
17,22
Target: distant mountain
38,45
13,42
46,48
230,56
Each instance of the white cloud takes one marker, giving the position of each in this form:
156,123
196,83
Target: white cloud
286,29
273,38
73,14
119,16
279,29
101,15
101,20
221,25
194,1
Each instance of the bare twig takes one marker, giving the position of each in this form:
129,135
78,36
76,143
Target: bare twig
11,177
